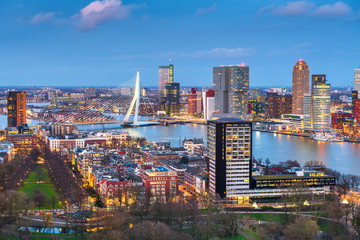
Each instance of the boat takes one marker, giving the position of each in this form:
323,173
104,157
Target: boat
328,137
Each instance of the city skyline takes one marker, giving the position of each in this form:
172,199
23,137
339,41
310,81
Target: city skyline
103,43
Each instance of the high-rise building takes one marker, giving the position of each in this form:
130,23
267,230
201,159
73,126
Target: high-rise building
166,75
317,105
357,110
231,85
194,102
357,79
209,103
230,157
170,102
300,86
354,96
16,104
279,104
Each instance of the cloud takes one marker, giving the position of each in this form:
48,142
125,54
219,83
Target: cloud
222,53
42,18
333,10
299,49
102,11
307,8
294,8
202,11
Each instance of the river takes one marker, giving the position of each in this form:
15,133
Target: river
343,157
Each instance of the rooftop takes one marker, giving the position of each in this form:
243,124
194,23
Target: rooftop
160,169
289,176
229,120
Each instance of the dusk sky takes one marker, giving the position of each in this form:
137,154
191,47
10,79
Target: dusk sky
104,43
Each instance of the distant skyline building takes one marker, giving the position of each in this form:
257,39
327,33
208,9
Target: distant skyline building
255,93
231,85
209,103
170,102
166,75
356,110
300,86
90,93
357,79
16,105
230,157
317,105
194,102
279,104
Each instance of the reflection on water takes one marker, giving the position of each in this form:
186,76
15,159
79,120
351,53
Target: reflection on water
344,157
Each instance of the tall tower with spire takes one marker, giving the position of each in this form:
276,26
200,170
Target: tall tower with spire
166,75
300,86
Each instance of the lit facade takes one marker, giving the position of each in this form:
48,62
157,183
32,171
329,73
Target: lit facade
231,85
230,157
194,102
300,86
161,183
16,104
170,102
317,105
357,79
166,75
209,103
357,110
279,105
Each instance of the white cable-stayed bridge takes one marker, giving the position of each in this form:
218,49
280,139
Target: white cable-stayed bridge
114,108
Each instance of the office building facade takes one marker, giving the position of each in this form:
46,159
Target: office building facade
357,79
300,86
16,104
231,85
209,103
170,102
230,157
279,104
317,105
194,102
166,75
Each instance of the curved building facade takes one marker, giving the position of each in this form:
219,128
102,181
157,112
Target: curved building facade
300,86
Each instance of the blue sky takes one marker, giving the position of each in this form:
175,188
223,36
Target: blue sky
104,43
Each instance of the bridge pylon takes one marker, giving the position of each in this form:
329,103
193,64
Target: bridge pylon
134,103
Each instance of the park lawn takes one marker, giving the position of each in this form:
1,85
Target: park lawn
326,226
253,234
237,237
32,177
65,238
271,217
47,188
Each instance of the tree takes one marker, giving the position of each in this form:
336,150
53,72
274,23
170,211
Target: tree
313,163
39,199
184,160
271,230
39,174
231,220
151,230
304,228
